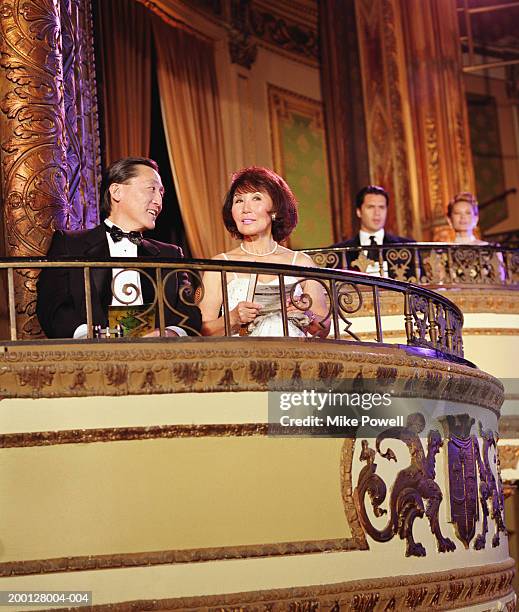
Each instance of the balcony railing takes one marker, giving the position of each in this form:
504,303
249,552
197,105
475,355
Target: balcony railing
428,319
427,263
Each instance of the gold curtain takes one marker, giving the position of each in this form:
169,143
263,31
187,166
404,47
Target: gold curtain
192,123
126,70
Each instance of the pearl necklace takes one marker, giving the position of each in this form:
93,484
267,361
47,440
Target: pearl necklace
259,254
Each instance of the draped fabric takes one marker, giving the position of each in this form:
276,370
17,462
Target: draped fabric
193,126
126,73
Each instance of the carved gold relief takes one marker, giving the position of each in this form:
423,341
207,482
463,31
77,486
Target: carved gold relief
446,590
47,144
113,368
468,459
433,165
384,98
508,456
414,492
81,125
414,488
33,157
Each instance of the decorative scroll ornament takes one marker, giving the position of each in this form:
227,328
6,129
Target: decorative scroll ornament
465,463
50,145
463,485
349,301
328,259
290,36
490,489
242,49
513,266
474,485
400,263
414,491
362,262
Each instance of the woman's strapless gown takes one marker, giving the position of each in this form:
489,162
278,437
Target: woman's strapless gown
270,324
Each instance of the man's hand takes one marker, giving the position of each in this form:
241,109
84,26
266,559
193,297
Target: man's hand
168,333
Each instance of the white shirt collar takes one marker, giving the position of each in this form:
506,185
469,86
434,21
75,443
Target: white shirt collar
122,248
364,237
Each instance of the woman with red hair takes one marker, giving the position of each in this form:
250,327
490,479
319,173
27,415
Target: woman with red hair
261,211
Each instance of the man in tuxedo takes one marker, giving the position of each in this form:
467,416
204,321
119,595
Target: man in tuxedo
132,195
371,207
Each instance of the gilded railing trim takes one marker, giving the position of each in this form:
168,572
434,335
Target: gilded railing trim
438,328
429,263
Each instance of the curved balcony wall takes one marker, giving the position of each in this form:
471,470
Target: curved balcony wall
484,282
145,471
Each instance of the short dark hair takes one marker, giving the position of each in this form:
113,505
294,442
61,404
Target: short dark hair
464,196
120,171
376,189
257,178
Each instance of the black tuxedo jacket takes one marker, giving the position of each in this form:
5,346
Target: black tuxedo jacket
351,256
61,291
388,239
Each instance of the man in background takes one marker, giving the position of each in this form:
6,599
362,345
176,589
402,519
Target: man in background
131,201
371,204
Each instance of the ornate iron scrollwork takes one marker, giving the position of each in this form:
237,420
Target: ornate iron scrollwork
187,295
400,262
328,259
349,301
414,491
419,311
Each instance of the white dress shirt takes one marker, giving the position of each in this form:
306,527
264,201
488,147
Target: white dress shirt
364,238
119,250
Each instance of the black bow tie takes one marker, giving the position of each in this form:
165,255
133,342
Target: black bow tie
117,234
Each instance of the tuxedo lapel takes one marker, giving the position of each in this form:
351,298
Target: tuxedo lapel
148,249
97,248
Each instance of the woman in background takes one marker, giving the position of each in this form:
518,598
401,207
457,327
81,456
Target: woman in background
261,211
463,215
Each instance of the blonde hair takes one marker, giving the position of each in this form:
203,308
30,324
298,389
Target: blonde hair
464,196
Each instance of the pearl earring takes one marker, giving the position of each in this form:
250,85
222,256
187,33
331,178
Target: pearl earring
273,216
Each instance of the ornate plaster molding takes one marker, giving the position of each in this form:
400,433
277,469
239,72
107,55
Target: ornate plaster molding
34,185
125,434
49,136
508,456
474,300
448,590
197,365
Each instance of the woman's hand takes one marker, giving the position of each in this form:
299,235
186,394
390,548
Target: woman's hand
244,313
315,326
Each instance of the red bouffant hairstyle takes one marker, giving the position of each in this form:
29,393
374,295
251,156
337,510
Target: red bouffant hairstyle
257,178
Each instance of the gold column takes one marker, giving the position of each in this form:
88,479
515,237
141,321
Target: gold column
48,132
386,104
438,107
416,117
